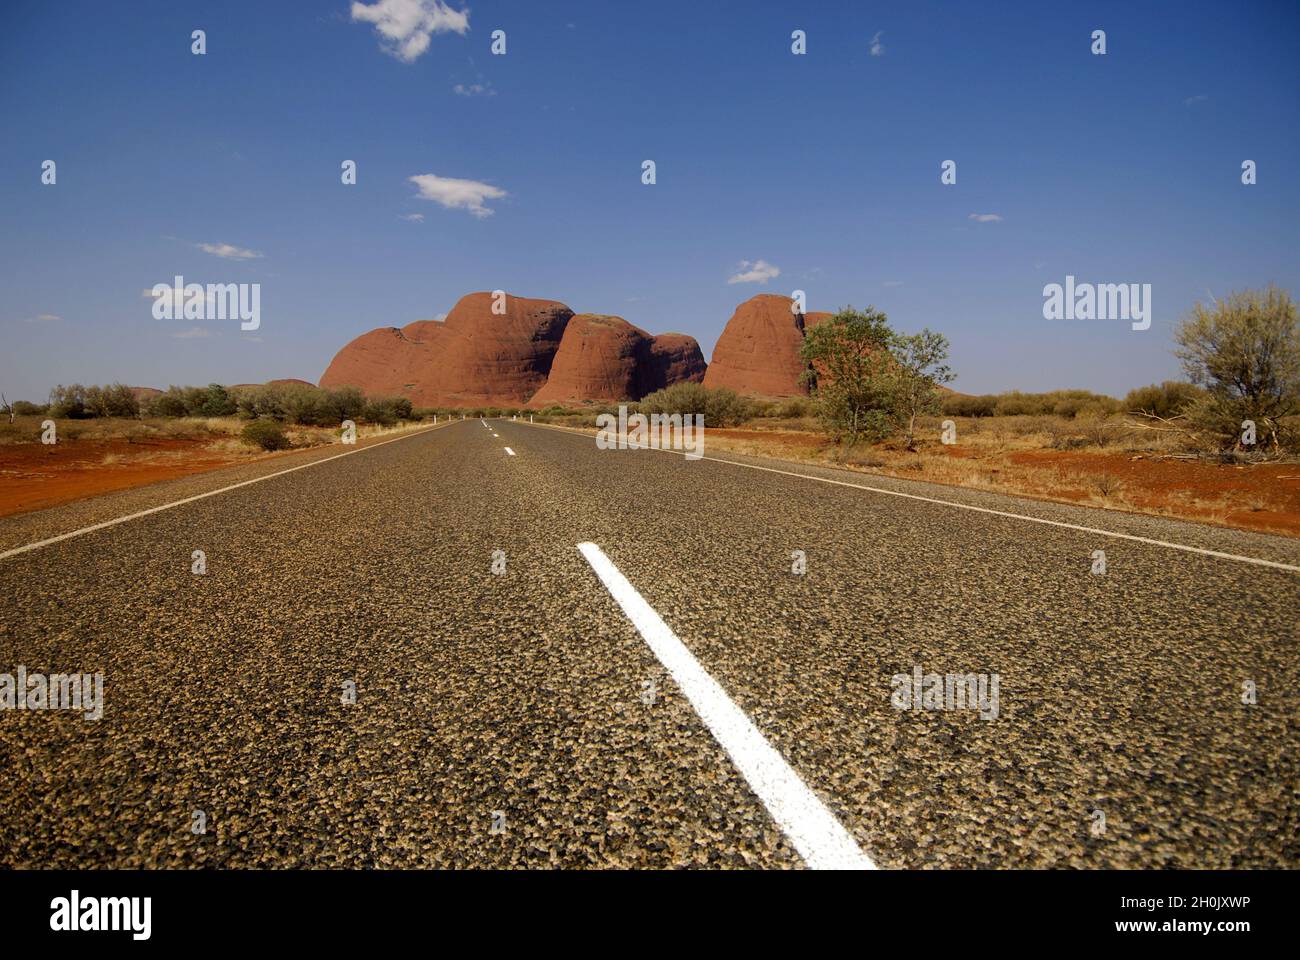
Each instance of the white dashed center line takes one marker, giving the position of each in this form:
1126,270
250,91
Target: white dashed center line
509,451
820,839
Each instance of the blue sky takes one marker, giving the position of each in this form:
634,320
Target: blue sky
1115,168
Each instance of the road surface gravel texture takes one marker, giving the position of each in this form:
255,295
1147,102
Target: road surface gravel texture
520,719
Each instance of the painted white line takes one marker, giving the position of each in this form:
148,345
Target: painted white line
211,493
509,451
820,839
997,513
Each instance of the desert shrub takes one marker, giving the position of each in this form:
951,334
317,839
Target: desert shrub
25,408
68,403
346,403
1245,352
1164,400
720,407
1076,403
114,400
214,400
1015,403
387,410
1062,403
795,407
962,405
169,403
267,434
301,403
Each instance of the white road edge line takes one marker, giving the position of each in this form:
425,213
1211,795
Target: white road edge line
509,451
997,513
820,839
211,493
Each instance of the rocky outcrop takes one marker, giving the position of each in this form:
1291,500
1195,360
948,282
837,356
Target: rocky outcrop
604,358
758,352
600,358
674,358
489,358
475,357
536,352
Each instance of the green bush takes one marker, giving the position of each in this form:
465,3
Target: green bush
114,400
68,403
963,405
169,403
1164,400
267,434
720,407
387,410
794,407
25,408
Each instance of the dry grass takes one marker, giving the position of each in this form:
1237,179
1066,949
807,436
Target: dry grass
221,432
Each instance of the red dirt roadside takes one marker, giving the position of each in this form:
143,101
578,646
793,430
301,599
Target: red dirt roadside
34,476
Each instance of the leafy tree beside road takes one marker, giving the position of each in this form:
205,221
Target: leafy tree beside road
871,382
1245,352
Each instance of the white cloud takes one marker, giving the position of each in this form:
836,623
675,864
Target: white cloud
1192,101
457,194
405,26
43,318
193,333
474,90
878,48
754,271
892,283
411,217
986,217
228,251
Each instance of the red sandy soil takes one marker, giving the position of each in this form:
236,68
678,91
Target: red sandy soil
34,476
1263,497
1259,496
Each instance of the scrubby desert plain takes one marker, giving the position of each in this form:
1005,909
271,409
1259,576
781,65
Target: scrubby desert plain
1113,461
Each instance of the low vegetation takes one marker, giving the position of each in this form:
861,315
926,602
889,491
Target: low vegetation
266,434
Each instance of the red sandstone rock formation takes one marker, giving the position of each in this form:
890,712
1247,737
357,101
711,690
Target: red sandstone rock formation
758,352
536,351
674,358
473,358
607,358
600,358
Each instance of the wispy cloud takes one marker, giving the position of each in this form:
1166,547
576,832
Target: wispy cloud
754,271
42,318
228,251
1199,98
405,26
986,217
878,48
456,194
411,217
892,283
193,333
474,90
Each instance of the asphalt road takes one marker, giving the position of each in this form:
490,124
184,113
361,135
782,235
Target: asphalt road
523,719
